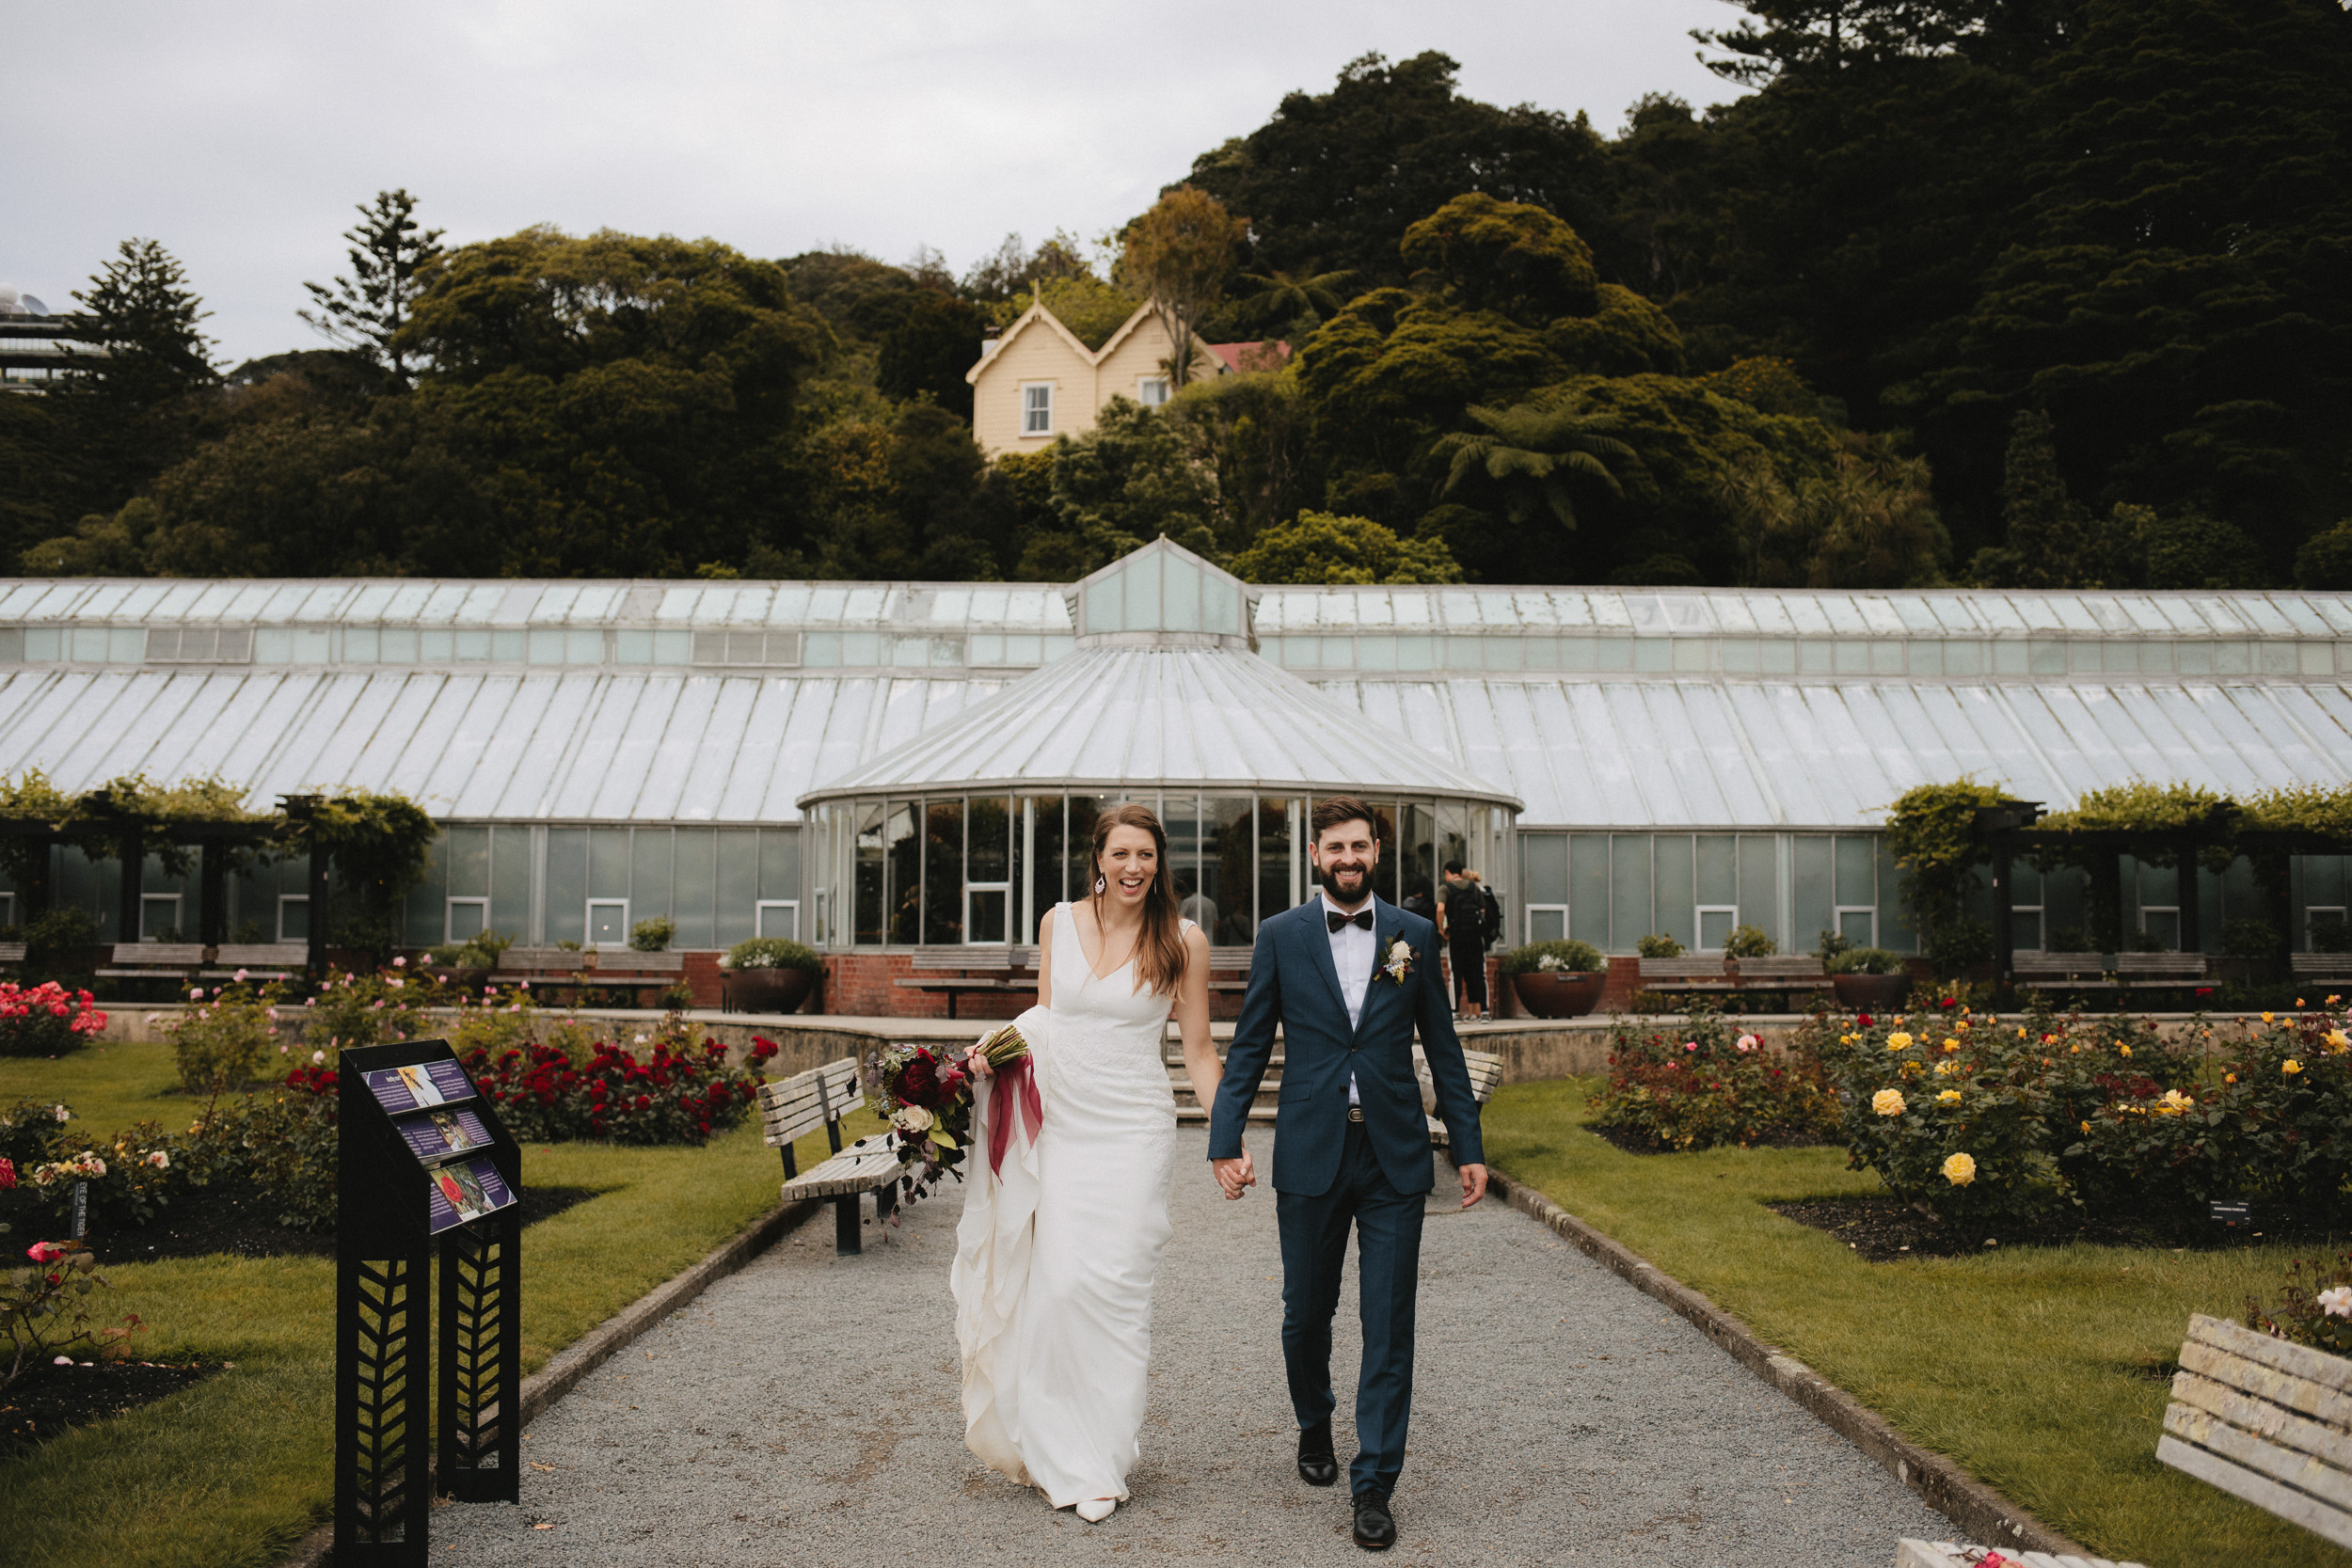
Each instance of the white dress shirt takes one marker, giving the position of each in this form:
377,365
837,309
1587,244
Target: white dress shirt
1351,955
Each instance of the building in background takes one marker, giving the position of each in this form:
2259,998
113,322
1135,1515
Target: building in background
1038,380
881,768
37,343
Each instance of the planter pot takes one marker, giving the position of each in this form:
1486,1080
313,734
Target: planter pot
1867,993
768,990
1559,992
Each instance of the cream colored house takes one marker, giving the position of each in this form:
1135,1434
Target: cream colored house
1038,381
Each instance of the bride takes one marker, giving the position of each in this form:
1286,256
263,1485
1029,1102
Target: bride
1057,1250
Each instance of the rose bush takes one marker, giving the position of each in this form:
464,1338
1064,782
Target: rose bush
46,1019
228,1038
1694,1086
370,1009
681,1090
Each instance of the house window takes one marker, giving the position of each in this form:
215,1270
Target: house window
159,918
608,922
2162,924
1715,924
465,918
1037,408
1860,925
1151,390
778,917
293,917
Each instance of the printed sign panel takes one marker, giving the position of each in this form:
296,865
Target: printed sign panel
436,1134
465,1190
413,1088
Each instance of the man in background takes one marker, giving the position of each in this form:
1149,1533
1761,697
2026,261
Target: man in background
1464,926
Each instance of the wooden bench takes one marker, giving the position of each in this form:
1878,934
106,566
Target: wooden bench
980,967
1485,1076
2264,1419
265,960
2321,966
1947,1554
157,960
1685,974
2063,971
799,1105
2160,971
11,953
1791,971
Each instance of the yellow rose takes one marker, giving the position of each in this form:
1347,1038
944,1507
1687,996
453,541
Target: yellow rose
1951,1045
1960,1170
1888,1102
2228,1077
2337,1043
2290,1065
2174,1103
1943,1069
1899,1041
2266,1017
2126,1049
2086,1127
1949,1096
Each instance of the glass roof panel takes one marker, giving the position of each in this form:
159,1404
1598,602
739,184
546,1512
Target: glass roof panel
368,602
595,603
1457,609
1807,617
1953,614
554,605
1687,613
1734,613
1647,614
408,602
2337,612
144,602
2070,613
951,606
103,600
2262,615
2300,615
2145,613
1913,612
1415,610
862,606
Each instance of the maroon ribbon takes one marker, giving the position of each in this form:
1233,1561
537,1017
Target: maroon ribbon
1012,1089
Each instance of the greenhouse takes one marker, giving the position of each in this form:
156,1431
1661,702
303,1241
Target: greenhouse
893,768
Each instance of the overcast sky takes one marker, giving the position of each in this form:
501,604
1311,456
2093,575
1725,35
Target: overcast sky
240,135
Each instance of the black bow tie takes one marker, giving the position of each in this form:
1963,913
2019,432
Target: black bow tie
1361,917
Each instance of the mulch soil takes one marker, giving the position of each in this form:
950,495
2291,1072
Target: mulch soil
50,1401
242,1222
1884,1229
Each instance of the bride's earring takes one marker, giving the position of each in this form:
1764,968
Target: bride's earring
1100,881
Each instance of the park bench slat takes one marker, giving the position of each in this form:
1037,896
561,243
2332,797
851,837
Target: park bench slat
1795,966
249,953
2267,1420
807,1100
1485,1075
1685,969
1947,1554
859,1169
982,957
11,952
2308,965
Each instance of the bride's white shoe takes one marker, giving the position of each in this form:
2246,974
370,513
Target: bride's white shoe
1095,1510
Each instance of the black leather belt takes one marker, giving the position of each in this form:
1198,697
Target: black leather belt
1355,1113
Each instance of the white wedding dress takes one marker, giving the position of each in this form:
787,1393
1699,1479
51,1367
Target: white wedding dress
1055,1256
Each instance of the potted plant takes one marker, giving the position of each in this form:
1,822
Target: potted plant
468,964
768,975
1557,980
1868,979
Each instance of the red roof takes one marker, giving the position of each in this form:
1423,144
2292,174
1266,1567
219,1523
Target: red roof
1231,353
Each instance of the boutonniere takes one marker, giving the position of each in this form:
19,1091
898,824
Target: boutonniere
1400,965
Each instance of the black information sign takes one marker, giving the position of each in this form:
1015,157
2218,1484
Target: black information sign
2230,1214
424,1162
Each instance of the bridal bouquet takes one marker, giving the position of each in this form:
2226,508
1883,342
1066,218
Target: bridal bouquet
930,1098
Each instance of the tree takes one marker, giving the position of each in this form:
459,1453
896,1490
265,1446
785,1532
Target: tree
1286,301
1177,256
1533,452
1319,548
935,339
390,254
2053,543
1114,488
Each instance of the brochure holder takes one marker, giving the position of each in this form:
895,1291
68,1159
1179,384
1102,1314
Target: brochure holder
424,1161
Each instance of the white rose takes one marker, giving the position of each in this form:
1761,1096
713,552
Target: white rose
2337,1302
912,1119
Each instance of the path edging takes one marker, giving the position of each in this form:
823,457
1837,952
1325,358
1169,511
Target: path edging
591,1350
1941,1482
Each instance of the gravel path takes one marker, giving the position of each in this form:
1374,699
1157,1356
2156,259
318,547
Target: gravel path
806,1412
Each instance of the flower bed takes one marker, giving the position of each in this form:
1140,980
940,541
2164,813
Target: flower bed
1994,1123
681,1092
1693,1085
46,1019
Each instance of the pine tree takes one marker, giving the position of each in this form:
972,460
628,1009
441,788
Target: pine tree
366,311
144,314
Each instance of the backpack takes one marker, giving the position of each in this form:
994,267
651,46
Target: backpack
1492,921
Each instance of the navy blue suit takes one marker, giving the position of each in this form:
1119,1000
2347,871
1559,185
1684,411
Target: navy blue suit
1329,1173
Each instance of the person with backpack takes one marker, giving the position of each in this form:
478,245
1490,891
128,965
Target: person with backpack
1463,923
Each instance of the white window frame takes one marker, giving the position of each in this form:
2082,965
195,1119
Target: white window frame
2337,910
1027,428
588,922
1148,385
283,900
2172,910
2040,924
1003,890
1535,909
1839,913
1698,924
789,908
147,901
448,914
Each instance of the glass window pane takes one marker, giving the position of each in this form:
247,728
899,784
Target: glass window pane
1226,872
608,922
1859,926
1546,925
468,851
608,862
1857,870
1042,821
421,914
1077,850
1676,895
649,873
468,917
870,900
1718,870
568,883
510,881
1277,851
1760,886
1417,851
1588,889
693,885
905,900
1812,891
943,872
987,913
1715,928
1629,889
1546,859
734,884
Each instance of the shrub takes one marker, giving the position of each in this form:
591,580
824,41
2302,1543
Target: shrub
370,1009
2329,934
224,1041
2313,1308
771,953
1863,960
42,1157
46,1019
482,950
681,1092
2248,937
59,942
44,1309
1955,944
1658,945
1695,1086
1831,944
280,1142
1749,942
652,935
2070,939
1575,956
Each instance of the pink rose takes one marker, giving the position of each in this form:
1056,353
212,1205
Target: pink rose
45,1251
7,1174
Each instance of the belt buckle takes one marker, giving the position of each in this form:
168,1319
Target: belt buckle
1355,1113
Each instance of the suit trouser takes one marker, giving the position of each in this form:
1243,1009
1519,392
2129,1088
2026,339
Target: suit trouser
1388,1256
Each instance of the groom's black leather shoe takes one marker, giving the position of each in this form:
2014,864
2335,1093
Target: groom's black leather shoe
1376,1531
1317,1465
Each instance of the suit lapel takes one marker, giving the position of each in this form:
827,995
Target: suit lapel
1316,933
1386,927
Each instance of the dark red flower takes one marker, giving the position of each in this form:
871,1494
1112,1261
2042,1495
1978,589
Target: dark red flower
919,1085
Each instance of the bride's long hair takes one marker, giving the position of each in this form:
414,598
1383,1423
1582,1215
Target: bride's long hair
1160,951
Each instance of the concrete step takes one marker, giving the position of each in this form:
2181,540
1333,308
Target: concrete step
1193,1116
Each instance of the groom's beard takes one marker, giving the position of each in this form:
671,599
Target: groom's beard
1348,882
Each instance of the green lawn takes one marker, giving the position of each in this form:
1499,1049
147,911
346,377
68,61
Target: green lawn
2026,1363
232,1472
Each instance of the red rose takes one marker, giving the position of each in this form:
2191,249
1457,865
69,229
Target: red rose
919,1084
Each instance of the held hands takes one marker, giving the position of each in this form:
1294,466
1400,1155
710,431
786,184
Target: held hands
976,1061
1238,1176
1474,1184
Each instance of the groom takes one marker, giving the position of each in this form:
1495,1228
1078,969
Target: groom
1348,977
